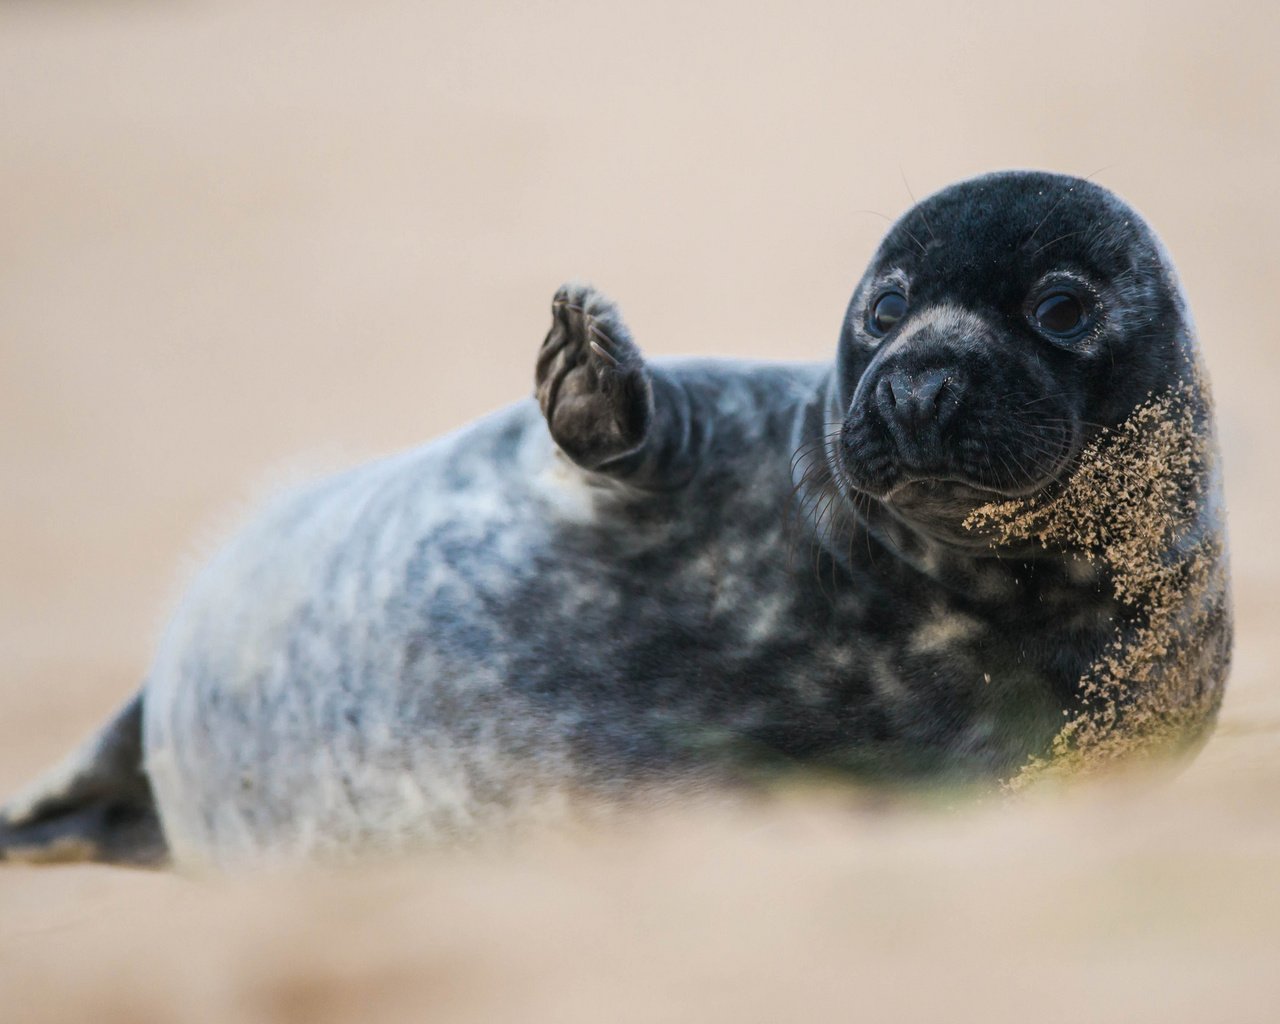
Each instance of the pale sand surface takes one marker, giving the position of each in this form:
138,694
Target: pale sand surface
246,240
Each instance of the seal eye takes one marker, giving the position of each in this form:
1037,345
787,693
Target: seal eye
888,310
1059,313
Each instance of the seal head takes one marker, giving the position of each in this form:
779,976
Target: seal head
1001,324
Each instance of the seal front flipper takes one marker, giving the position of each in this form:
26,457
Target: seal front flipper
94,806
606,408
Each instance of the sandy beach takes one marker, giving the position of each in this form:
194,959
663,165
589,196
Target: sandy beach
250,242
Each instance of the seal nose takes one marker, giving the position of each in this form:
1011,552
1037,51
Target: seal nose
912,400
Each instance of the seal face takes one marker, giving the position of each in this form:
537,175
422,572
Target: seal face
1017,370
985,544
1028,312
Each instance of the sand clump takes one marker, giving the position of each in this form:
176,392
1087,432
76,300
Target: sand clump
1144,505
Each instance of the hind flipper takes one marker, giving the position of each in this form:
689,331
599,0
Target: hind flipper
95,806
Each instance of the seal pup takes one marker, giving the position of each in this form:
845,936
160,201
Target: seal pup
987,541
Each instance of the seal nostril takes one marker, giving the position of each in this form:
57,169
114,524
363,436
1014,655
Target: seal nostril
907,400
885,392
913,400
929,389
899,388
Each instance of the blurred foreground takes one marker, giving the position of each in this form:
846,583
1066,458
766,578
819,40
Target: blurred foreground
1116,905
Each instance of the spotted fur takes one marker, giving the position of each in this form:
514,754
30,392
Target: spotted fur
660,577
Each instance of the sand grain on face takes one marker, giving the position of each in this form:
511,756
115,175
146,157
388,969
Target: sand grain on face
1143,504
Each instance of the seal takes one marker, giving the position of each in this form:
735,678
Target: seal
986,544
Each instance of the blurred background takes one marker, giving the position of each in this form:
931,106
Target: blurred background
243,241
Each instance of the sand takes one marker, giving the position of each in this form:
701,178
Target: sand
248,241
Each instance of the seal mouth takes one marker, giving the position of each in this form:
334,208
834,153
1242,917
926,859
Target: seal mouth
986,461
912,488
909,489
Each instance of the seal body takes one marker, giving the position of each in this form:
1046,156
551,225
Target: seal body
478,629
664,577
